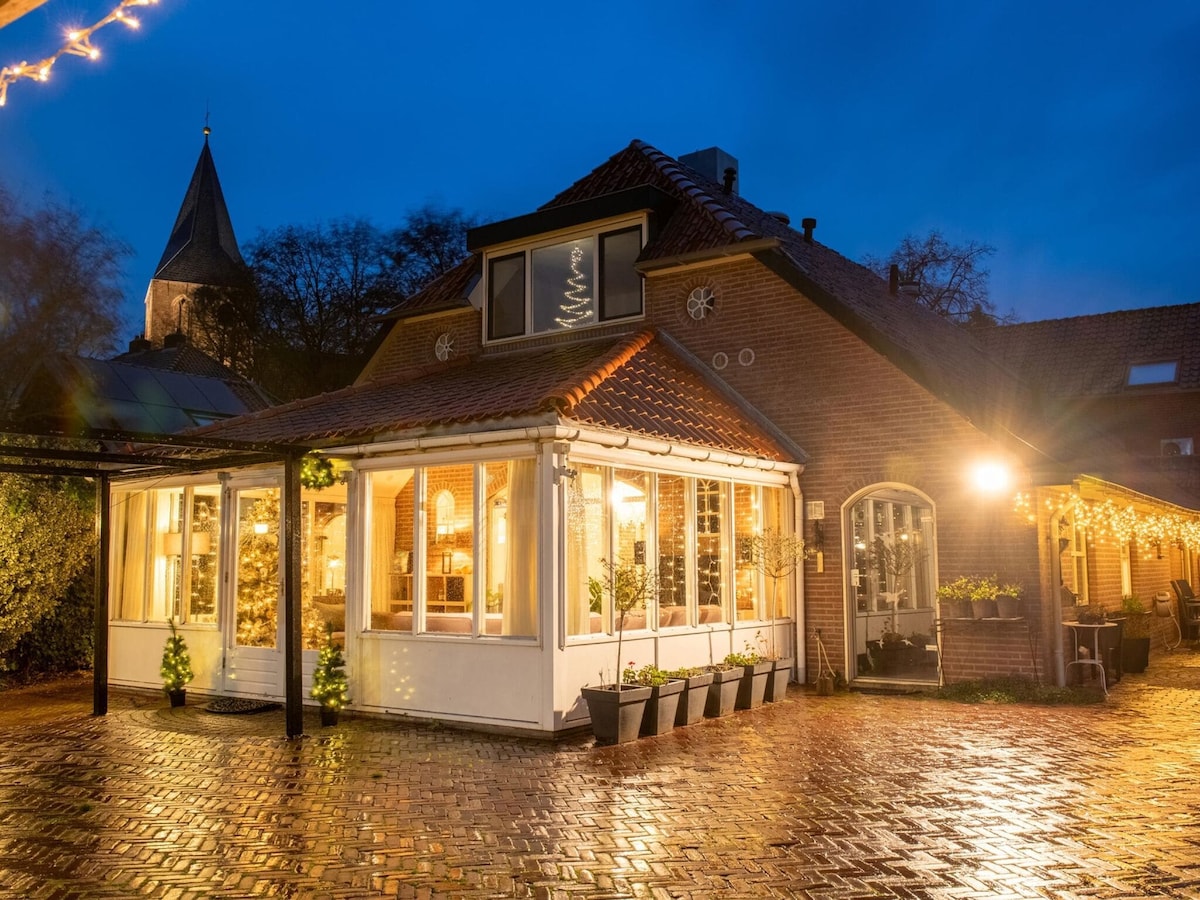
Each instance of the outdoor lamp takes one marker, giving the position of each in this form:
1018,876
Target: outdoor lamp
991,477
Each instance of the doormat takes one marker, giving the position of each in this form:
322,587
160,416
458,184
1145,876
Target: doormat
239,706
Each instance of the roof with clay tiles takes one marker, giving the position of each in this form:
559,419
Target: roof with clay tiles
637,385
1091,355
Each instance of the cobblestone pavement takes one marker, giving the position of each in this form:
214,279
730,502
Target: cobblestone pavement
851,796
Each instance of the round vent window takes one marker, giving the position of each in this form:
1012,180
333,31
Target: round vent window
701,302
720,360
443,347
746,356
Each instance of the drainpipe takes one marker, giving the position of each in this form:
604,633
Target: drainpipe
798,596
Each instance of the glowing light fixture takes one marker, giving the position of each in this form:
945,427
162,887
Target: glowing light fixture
991,477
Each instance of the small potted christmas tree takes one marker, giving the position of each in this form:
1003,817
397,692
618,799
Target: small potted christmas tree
329,685
176,669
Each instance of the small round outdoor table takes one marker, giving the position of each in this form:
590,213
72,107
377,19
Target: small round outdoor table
1079,630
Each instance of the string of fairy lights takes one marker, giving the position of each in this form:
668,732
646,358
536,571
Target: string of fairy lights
78,43
1110,520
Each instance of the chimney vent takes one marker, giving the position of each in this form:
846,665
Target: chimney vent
714,164
140,345
175,339
781,216
893,279
808,224
910,289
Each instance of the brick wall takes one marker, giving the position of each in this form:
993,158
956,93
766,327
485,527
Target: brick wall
410,346
863,423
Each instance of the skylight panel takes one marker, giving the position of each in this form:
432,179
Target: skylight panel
1153,373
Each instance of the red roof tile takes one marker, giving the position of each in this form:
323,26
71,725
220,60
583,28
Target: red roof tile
631,384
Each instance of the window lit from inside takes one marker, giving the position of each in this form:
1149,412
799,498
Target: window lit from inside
567,285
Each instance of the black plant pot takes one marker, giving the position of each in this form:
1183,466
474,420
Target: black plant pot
659,716
179,697
753,687
693,698
329,716
723,692
616,711
777,681
1135,654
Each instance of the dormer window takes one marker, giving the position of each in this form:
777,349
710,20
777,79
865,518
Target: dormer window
1153,373
562,285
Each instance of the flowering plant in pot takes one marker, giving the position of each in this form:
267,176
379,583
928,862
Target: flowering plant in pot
176,668
330,686
968,597
616,709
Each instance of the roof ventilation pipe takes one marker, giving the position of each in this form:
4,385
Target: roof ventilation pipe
893,279
808,224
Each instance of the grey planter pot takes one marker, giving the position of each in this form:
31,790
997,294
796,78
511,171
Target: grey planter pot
1135,654
753,686
659,716
1008,606
616,711
722,693
777,681
692,699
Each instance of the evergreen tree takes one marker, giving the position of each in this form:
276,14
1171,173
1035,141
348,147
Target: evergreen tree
329,685
176,669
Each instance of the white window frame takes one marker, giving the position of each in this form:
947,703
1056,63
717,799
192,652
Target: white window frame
596,231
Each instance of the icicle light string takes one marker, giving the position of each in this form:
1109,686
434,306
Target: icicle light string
1108,519
79,43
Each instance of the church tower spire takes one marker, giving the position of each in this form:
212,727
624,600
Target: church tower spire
202,251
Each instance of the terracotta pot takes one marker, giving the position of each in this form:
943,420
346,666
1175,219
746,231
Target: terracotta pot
616,711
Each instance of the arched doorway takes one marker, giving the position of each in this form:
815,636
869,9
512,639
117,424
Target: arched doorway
891,585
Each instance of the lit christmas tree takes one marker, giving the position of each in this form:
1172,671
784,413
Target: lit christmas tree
258,579
176,669
577,305
329,685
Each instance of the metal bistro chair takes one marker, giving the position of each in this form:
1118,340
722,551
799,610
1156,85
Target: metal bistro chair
1189,609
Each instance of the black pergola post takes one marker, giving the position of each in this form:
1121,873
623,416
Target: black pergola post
100,652
292,644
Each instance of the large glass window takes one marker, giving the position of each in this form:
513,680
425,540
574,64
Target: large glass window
165,554
589,608
747,577
571,284
672,534
323,565
712,530
630,505
466,583
256,577
506,296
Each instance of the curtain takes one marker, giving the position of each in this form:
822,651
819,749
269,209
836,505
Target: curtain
131,527
383,550
521,587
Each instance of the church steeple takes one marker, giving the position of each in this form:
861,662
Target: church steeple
202,248
201,252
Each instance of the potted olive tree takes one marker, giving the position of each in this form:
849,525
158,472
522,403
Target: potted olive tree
176,668
777,554
616,709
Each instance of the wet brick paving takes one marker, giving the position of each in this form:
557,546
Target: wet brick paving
851,796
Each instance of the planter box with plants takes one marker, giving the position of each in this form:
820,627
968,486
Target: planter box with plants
616,710
665,694
1135,638
723,691
753,685
693,696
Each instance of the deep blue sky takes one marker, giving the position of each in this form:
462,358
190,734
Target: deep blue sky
1065,135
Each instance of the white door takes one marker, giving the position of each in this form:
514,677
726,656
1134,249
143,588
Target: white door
251,622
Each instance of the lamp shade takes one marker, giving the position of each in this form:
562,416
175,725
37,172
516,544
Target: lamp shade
172,543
